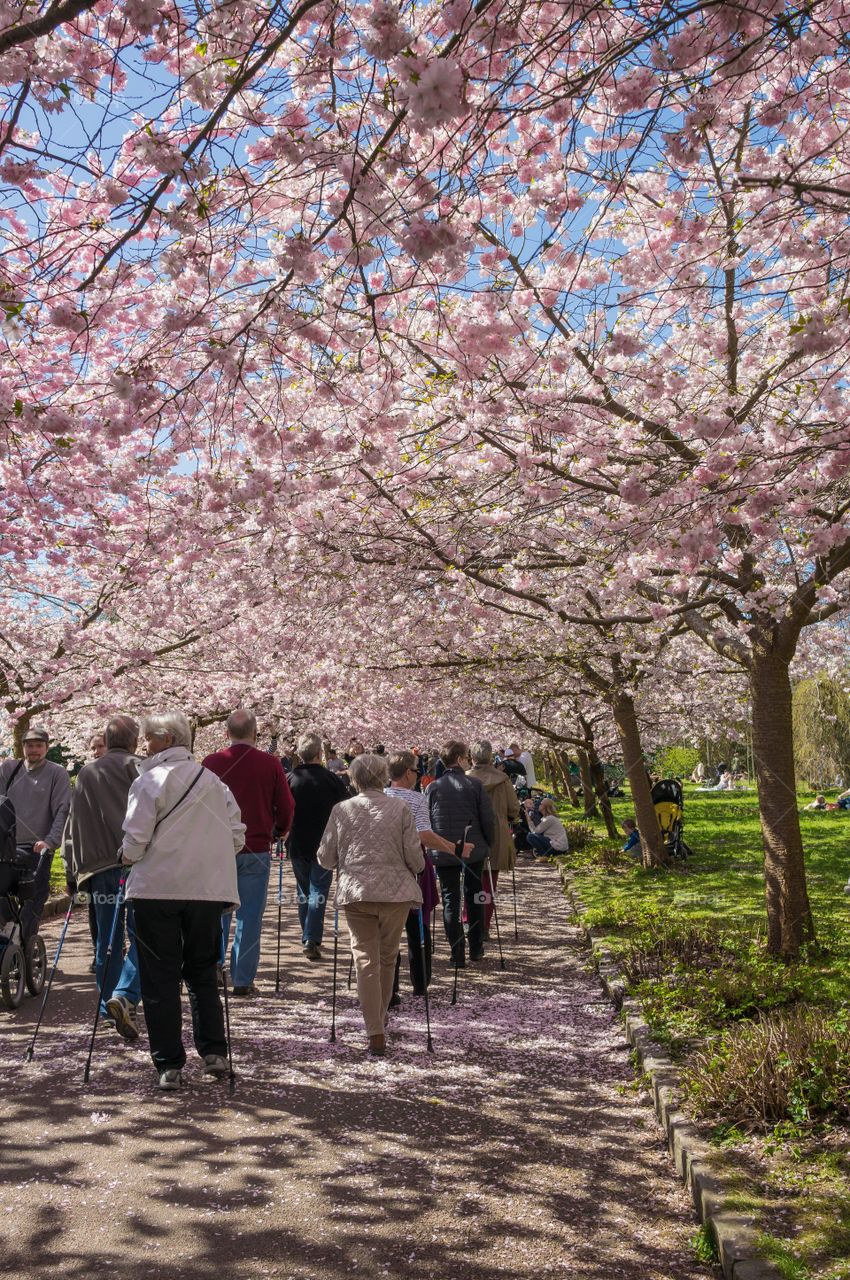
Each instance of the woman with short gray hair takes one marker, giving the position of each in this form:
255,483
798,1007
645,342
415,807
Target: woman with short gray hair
372,843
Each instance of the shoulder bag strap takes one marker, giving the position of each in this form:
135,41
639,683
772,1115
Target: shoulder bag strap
13,775
160,821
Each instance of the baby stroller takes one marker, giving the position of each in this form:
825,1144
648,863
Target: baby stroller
22,963
670,810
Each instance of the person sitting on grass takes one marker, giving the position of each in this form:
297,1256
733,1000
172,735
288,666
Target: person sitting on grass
819,802
632,844
548,834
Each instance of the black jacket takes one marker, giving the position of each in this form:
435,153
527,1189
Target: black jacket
456,801
315,791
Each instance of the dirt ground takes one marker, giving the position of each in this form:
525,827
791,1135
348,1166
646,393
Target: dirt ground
518,1150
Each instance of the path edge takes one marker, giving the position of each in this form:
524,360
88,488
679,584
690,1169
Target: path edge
703,1171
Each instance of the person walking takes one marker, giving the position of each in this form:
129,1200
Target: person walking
506,809
182,832
259,785
93,864
40,790
457,802
315,791
372,843
404,772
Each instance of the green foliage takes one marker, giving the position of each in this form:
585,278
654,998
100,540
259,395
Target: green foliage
579,834
821,711
789,1065
703,1245
677,762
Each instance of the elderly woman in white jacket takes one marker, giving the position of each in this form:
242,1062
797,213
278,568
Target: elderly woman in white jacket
182,832
373,844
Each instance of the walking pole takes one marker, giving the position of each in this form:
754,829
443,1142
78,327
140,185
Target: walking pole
516,926
458,854
279,907
495,914
119,902
31,1045
231,1074
333,997
350,969
425,979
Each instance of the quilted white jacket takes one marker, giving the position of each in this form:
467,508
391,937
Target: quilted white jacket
372,842
189,852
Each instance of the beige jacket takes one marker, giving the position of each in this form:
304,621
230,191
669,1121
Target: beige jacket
373,844
505,804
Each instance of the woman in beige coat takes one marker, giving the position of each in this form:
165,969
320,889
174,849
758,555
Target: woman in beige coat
505,802
373,844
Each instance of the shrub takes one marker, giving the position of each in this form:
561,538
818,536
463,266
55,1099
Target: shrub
665,945
579,834
789,1065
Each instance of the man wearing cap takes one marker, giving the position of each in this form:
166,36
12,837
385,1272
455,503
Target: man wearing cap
41,793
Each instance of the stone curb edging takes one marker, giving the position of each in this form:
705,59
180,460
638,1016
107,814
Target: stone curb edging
696,1162
56,906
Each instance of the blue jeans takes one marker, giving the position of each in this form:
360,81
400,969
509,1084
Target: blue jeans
541,845
313,884
252,877
122,977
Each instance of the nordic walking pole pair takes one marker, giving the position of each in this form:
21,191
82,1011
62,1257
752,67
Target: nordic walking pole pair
119,902
31,1046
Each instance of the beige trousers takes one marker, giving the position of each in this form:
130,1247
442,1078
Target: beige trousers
375,929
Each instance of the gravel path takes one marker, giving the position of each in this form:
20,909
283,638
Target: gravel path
518,1150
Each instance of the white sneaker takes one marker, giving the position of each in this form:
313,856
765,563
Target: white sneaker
171,1079
124,1014
216,1066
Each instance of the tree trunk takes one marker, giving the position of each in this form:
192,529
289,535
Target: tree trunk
552,774
652,848
564,763
789,915
18,732
588,794
600,786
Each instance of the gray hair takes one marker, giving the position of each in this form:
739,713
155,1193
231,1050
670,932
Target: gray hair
482,752
121,732
309,747
242,726
369,772
173,723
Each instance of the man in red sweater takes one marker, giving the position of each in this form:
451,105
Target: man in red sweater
259,784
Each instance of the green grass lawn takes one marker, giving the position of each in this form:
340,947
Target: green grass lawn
690,939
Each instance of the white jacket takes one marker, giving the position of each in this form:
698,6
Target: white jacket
192,853
373,843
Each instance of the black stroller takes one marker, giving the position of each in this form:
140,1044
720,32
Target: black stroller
23,963
669,802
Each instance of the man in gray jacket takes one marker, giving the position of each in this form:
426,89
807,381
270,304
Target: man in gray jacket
456,803
41,793
93,862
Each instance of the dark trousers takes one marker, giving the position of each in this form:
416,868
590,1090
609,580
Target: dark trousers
419,978
179,941
450,892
